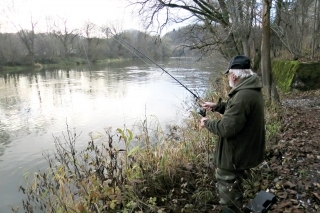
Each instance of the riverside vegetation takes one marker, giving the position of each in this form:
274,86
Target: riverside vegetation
160,171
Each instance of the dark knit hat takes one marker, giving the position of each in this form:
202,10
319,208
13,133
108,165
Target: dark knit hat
239,62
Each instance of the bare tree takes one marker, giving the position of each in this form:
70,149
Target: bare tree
110,29
46,47
11,49
316,29
296,25
218,25
92,40
65,35
268,82
28,38
265,48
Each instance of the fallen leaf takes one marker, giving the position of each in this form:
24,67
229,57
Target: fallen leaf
317,195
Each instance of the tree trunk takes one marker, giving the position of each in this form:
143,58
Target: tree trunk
314,34
268,83
27,38
246,47
265,49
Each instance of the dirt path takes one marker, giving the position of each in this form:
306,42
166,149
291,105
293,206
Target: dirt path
296,158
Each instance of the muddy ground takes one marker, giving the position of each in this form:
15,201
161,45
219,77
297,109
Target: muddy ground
295,158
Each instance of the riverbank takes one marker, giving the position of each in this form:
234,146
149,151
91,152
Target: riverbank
295,159
177,174
37,105
58,63
172,171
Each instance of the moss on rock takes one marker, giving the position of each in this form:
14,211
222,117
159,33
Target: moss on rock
296,75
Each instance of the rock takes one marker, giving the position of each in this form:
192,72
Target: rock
295,75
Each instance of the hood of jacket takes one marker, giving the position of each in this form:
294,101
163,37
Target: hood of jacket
252,82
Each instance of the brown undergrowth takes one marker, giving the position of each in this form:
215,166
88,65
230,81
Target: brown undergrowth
295,158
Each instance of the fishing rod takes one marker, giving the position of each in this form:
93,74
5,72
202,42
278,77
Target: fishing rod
200,111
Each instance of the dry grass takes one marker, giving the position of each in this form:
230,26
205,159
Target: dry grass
155,172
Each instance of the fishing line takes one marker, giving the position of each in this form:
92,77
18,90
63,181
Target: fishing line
107,30
123,41
131,51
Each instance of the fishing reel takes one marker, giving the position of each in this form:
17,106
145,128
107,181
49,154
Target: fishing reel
202,112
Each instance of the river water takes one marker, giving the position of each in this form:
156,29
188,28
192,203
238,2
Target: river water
37,105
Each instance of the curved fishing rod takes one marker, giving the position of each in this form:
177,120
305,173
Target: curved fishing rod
194,95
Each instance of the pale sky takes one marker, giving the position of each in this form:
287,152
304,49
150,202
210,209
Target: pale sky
100,12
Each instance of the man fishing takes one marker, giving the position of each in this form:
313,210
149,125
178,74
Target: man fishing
241,132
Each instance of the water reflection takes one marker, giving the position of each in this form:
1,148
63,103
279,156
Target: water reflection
35,105
4,139
32,101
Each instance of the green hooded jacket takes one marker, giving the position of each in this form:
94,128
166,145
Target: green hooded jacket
241,130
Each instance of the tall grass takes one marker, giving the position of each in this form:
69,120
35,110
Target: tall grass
156,171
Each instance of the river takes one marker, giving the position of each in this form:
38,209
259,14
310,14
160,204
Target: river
37,105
